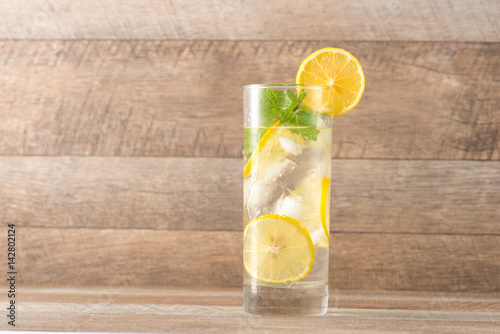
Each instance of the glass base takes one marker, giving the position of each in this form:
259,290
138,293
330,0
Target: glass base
293,301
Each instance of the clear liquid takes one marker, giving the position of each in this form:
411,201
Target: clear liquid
287,179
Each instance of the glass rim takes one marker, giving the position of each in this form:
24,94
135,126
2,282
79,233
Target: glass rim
280,85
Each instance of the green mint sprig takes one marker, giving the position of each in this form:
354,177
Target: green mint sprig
285,107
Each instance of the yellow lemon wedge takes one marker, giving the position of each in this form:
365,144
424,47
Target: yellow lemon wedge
275,146
325,207
277,249
338,70
260,146
313,195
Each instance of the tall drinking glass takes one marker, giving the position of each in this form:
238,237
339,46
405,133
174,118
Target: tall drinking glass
286,209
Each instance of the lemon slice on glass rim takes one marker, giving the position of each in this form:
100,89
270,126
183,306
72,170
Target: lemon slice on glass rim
341,72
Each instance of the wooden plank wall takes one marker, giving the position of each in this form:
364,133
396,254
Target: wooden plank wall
121,137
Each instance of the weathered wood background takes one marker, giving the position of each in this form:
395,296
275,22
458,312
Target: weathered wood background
121,138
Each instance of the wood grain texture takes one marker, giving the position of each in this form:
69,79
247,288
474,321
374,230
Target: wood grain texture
211,259
206,194
221,311
427,20
232,319
172,98
339,299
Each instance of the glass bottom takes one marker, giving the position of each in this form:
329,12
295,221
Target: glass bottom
282,301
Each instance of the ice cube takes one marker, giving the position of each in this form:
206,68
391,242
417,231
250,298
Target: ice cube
259,195
320,122
290,146
323,169
317,235
276,169
290,206
323,142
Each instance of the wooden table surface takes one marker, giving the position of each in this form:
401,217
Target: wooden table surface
221,311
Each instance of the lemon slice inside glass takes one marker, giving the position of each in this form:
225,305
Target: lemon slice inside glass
260,146
325,208
313,195
270,151
277,249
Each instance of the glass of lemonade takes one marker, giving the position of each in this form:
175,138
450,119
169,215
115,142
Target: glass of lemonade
286,210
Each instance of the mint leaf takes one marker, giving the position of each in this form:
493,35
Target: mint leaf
303,118
302,95
291,97
272,103
286,107
310,133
